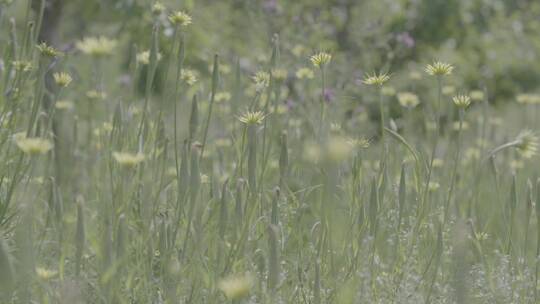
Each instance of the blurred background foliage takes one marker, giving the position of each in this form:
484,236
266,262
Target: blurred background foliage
490,40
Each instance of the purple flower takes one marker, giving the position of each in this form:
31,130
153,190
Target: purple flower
406,39
329,95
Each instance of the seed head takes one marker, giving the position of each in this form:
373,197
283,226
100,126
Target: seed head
97,46
461,101
320,59
62,79
376,79
252,118
180,18
439,68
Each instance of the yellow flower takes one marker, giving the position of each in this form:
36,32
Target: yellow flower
262,80
461,101
376,79
439,68
62,79
527,143
144,57
189,76
252,118
320,59
223,96
408,99
32,145
477,95
127,159
304,73
236,287
180,18
97,46
23,66
94,95
64,105
45,274
279,74
48,51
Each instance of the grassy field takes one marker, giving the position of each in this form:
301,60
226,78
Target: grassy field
265,151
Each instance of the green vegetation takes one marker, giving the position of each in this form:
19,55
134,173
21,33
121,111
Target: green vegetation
269,151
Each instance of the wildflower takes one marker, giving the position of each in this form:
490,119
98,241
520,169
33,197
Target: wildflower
262,80
461,101
144,57
337,149
252,118
527,143
376,79
127,159
477,95
189,77
97,46
180,18
320,59
62,79
158,8
94,95
23,66
236,287
45,274
298,50
222,96
64,105
408,99
304,73
48,51
439,68
279,74
361,142
32,145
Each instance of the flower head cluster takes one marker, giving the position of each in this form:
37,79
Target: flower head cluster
376,79
252,118
180,18
439,68
461,101
97,46
62,79
320,59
